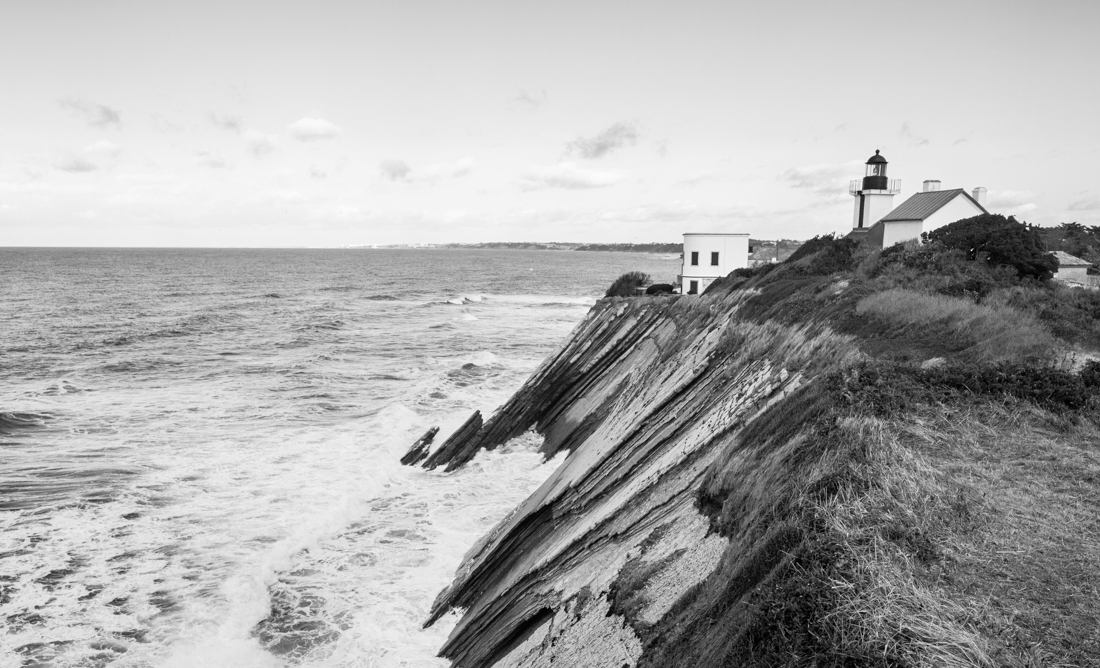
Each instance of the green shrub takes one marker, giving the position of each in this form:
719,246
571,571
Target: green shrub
823,255
884,389
627,284
999,241
749,272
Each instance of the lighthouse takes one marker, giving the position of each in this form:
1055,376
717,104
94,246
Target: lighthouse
874,194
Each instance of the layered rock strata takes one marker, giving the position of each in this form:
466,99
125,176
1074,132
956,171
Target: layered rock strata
645,395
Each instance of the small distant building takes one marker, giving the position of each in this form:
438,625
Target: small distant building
1071,269
711,256
876,222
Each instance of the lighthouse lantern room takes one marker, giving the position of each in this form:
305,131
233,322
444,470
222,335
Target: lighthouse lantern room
874,193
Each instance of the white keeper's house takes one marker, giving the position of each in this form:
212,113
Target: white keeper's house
877,222
709,256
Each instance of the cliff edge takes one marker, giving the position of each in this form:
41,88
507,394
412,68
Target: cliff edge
853,459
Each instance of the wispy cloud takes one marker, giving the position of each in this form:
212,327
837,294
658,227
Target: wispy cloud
568,176
823,179
1012,202
908,134
662,147
210,160
958,141
231,123
444,170
75,164
258,143
96,115
162,124
313,129
530,100
103,149
695,179
315,173
613,138
394,169
1085,205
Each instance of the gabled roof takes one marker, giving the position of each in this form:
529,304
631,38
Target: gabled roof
1067,260
921,205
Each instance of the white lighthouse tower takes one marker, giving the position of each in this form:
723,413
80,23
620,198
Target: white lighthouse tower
874,194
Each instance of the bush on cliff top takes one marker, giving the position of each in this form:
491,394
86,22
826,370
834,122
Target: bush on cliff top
999,241
823,255
627,284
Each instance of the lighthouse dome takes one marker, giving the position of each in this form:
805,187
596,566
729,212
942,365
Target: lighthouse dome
875,159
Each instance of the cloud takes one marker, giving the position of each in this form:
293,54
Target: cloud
958,141
313,129
567,175
317,173
824,179
1010,202
103,149
210,159
162,124
75,164
529,101
662,148
444,170
913,138
231,123
97,115
258,143
394,170
695,179
1085,205
613,138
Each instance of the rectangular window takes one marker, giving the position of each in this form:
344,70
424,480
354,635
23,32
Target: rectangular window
714,259
693,286
694,258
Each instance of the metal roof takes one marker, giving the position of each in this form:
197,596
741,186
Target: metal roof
921,205
1067,260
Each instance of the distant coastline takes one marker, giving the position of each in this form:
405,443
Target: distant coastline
761,247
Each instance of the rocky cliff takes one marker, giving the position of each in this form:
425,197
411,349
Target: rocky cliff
795,470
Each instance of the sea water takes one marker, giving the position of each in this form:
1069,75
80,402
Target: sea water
199,448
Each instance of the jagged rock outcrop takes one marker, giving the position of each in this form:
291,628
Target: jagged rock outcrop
419,450
455,445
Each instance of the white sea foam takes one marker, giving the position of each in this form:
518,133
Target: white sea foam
213,477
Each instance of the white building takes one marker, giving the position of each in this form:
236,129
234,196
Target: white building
1071,269
876,221
711,256
924,212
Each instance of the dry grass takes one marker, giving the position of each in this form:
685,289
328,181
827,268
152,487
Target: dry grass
977,545
806,347
981,333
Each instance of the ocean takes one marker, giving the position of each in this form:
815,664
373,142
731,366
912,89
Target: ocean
199,448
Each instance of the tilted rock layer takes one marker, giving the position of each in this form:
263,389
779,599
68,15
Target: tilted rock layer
704,512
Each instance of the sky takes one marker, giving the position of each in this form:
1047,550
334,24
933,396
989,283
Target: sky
329,123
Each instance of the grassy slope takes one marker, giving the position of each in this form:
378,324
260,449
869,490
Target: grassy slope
889,516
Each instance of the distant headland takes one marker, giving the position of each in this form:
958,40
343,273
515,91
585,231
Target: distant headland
763,247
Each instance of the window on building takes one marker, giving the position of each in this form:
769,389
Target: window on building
694,258
693,286
714,259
